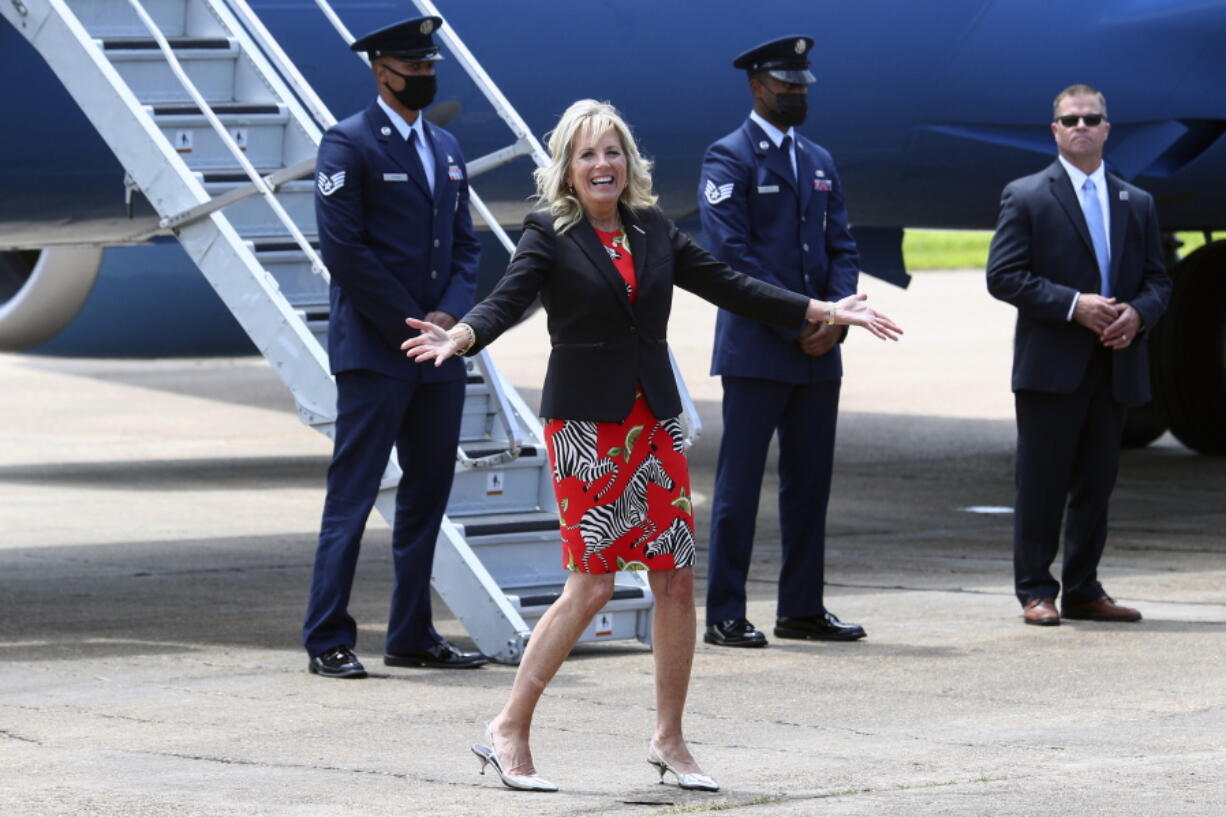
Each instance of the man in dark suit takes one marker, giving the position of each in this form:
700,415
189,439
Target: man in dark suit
1078,252
395,233
772,207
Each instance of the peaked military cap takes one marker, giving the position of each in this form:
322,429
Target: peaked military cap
407,40
785,59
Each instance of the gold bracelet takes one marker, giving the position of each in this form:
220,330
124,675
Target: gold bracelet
830,317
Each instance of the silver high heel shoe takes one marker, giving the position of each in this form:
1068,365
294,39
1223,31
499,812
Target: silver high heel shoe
522,782
697,782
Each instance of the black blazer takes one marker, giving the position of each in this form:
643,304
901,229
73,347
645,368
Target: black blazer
602,344
1041,257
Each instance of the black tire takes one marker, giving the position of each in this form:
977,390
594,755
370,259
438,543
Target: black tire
1143,424
1189,352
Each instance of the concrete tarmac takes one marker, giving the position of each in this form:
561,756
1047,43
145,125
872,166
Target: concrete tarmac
157,525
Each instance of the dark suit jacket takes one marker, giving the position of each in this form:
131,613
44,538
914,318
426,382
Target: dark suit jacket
394,250
1041,257
602,344
788,230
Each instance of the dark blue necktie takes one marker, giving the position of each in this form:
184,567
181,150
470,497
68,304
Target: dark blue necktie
417,159
1098,233
786,147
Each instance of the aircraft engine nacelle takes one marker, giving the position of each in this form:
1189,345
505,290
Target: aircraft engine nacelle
41,292
138,301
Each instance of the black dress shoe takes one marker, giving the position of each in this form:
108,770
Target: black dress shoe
735,632
337,662
442,655
825,627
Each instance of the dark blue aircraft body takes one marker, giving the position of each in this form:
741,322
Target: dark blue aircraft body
928,108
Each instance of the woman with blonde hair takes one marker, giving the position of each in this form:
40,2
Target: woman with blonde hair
604,260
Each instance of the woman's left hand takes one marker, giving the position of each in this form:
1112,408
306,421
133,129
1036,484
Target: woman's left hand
434,343
853,311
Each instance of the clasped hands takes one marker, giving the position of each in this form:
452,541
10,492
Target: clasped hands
1116,324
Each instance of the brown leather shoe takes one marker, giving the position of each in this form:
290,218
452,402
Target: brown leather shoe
1104,609
1041,612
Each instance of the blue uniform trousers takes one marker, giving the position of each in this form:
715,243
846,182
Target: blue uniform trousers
423,421
1068,452
804,416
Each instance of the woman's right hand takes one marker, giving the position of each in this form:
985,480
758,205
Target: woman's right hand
434,343
853,311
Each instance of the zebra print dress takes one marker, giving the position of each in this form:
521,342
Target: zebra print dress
623,489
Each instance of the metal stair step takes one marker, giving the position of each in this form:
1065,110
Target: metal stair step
177,43
115,18
500,524
627,615
508,488
298,283
219,108
254,219
484,449
211,65
260,135
545,596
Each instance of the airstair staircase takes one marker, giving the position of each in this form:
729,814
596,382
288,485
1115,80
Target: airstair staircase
216,128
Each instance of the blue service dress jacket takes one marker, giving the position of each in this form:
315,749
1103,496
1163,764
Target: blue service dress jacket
788,230
394,250
1042,256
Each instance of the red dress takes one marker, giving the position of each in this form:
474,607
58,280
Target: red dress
623,489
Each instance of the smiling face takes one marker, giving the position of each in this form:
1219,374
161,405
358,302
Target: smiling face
1081,144
597,172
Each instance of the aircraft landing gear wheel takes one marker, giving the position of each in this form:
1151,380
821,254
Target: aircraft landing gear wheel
1143,424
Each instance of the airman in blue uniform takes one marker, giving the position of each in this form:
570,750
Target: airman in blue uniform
395,232
772,206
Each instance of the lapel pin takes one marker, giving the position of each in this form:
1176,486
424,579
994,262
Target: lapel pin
764,144
1123,195
385,130
821,174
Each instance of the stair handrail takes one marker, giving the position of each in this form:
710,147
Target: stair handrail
502,105
206,110
498,388
281,61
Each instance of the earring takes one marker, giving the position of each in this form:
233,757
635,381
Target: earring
570,188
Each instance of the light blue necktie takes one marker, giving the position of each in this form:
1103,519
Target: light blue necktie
1098,233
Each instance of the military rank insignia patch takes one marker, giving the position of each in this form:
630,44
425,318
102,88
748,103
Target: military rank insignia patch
330,184
717,194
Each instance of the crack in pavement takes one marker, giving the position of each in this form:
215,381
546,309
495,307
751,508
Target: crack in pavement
5,733
233,761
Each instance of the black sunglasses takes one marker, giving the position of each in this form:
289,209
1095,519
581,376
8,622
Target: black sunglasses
1092,120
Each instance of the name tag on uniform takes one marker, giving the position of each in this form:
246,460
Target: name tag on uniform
395,177
453,173
822,184
768,188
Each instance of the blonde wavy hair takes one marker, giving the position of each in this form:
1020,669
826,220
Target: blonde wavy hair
594,118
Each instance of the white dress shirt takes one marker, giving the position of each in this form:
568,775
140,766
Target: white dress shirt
1078,178
423,146
776,137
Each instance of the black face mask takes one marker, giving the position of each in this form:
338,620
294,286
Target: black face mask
791,109
418,91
